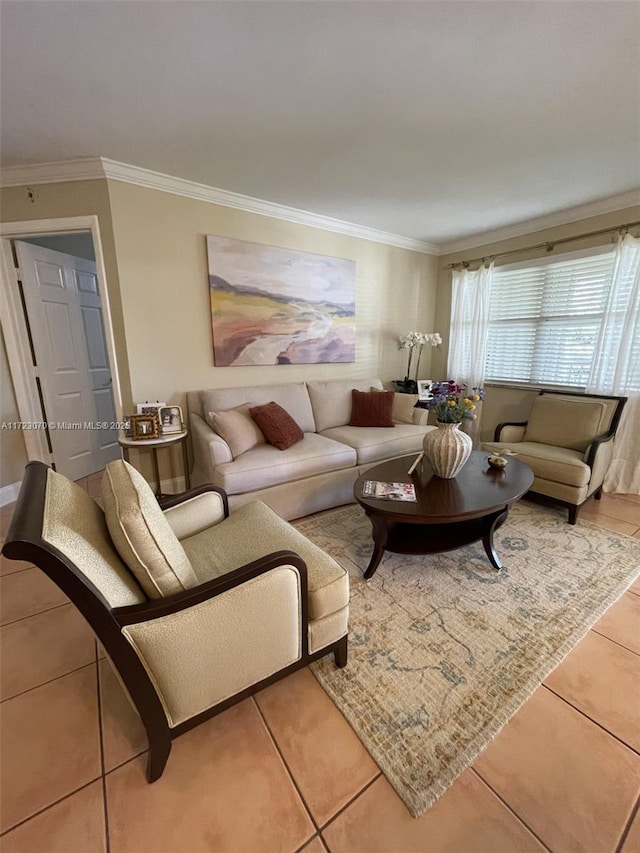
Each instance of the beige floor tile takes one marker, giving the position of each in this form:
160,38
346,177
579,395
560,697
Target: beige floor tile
8,567
314,846
74,825
632,841
26,593
327,760
607,522
50,744
7,509
602,679
5,522
572,783
43,647
621,622
123,735
468,818
225,788
616,507
633,498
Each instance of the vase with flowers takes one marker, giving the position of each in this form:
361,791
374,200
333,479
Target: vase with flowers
447,448
414,341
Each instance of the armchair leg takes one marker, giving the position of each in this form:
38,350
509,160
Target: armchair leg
573,514
340,654
158,755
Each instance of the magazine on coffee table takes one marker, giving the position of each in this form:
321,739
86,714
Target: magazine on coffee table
389,491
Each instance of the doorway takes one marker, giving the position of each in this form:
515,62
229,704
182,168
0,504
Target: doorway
59,341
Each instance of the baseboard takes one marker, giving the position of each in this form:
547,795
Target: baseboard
9,494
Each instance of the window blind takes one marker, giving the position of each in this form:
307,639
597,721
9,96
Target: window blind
545,320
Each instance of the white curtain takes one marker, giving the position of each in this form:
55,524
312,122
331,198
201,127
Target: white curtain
469,330
616,367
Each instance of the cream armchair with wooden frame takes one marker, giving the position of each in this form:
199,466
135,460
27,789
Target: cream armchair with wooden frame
568,443
195,608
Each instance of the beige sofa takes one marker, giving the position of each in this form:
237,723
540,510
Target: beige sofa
317,472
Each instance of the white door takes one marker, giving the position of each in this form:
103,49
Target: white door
67,331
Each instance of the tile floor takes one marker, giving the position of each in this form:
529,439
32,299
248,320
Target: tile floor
284,771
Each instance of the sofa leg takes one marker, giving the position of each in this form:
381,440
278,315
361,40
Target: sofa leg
598,493
340,653
573,514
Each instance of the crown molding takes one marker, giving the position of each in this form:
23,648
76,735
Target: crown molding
87,169
552,220
95,168
116,171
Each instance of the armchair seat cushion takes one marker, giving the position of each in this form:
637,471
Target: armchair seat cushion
556,464
254,530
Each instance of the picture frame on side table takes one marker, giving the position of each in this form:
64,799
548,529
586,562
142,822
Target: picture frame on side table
170,418
149,408
144,427
424,389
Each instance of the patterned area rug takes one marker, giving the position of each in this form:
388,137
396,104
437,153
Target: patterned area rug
443,650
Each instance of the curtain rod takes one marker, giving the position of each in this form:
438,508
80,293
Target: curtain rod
548,246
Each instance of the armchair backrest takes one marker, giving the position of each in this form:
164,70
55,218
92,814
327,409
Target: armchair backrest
61,529
572,420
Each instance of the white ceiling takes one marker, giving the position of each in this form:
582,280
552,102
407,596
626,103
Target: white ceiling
432,120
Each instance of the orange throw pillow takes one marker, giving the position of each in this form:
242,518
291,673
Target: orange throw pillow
277,425
371,408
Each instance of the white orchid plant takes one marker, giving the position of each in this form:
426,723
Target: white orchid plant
419,340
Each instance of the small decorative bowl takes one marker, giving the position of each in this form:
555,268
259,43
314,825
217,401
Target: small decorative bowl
498,461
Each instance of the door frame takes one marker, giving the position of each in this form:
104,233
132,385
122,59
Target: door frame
15,330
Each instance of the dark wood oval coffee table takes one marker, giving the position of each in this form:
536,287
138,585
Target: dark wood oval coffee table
448,513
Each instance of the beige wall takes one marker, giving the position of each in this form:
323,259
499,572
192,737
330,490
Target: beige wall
512,404
157,278
160,242
162,262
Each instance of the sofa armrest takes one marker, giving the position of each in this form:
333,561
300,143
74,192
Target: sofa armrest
209,449
510,431
195,510
420,417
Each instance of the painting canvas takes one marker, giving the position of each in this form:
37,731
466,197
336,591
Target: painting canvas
279,306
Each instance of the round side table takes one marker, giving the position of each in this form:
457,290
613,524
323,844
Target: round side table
153,444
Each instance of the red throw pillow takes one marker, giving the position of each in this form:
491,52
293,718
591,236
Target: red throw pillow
371,408
277,425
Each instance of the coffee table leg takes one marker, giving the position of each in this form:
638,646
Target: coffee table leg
487,539
380,533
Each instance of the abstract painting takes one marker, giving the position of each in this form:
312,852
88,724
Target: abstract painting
279,306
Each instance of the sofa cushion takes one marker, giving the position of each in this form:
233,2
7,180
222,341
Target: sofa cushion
251,532
331,400
571,422
556,464
373,444
293,397
277,425
142,535
265,466
404,406
371,408
238,429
